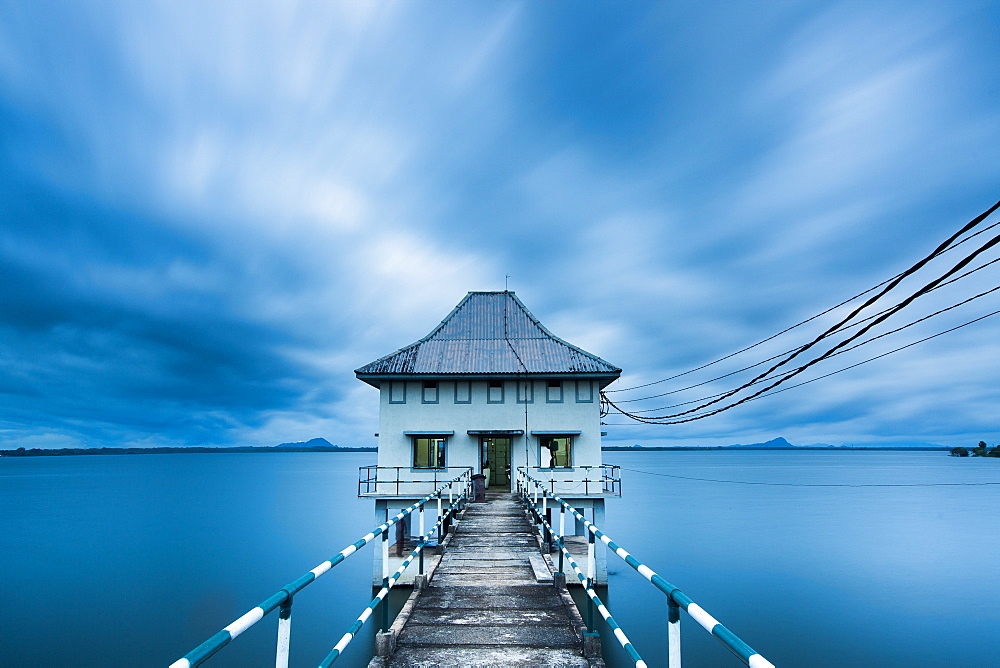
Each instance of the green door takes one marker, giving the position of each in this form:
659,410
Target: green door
496,457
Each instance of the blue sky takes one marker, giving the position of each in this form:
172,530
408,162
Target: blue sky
211,213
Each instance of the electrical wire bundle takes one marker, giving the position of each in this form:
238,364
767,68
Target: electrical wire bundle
846,334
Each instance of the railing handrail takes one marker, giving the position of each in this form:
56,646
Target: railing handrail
388,584
730,640
373,482
588,587
610,478
219,640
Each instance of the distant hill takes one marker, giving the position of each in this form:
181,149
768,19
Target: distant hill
778,443
318,445
774,444
311,443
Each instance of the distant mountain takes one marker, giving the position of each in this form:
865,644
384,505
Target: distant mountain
773,443
320,445
778,444
311,443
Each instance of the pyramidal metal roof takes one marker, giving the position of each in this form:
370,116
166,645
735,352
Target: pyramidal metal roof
489,333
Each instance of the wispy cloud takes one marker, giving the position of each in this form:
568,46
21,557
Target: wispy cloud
209,215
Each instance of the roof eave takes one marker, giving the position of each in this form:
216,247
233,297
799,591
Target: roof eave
375,379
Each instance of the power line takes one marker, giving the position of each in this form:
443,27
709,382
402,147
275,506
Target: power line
839,352
850,326
805,484
928,287
758,395
942,248
895,350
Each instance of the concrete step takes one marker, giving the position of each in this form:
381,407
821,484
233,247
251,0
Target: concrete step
520,572
479,580
489,596
465,553
554,637
488,617
485,657
469,559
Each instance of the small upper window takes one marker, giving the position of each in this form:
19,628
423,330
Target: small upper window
430,392
553,392
494,392
556,452
397,392
525,392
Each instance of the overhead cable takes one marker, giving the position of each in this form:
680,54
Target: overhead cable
850,326
944,247
791,387
839,352
928,287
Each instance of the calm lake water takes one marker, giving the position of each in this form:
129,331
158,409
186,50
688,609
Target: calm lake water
133,560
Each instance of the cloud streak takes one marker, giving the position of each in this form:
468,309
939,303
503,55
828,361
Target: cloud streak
210,215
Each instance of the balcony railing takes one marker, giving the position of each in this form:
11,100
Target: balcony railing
406,481
603,480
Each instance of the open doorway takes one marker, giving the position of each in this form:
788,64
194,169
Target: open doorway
495,461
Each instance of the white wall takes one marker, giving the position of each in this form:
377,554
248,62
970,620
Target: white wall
574,413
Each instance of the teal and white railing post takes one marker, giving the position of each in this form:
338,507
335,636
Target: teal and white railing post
451,503
673,633
676,599
591,572
421,540
439,523
594,602
284,633
562,535
385,577
546,536
421,520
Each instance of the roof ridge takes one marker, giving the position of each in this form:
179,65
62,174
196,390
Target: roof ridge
452,352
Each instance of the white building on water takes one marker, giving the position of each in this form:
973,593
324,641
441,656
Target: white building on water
492,390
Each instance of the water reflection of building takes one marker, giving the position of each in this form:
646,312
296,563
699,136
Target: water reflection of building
490,389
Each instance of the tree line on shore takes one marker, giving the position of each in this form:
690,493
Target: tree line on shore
981,450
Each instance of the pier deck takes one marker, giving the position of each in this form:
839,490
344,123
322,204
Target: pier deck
487,604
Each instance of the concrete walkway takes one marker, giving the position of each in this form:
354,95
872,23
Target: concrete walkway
487,605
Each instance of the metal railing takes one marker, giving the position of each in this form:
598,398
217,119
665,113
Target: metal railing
533,491
282,599
403,480
602,480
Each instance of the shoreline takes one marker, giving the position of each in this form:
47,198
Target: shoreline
174,450
882,448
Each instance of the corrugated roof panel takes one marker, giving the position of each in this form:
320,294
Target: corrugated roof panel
480,336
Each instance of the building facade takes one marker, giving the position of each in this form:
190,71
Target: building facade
491,389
